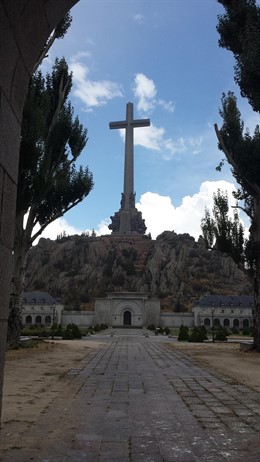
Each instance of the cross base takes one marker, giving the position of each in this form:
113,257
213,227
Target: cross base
127,221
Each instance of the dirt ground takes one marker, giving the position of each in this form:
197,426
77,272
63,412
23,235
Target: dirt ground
35,377
244,367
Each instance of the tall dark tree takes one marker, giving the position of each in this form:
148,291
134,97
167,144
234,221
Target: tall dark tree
221,232
49,183
239,30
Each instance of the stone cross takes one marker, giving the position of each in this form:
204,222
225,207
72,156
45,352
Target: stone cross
129,124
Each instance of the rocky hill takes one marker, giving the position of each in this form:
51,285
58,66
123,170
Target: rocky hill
175,268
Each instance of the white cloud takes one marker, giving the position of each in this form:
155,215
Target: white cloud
61,226
139,18
147,137
160,214
56,228
79,55
167,105
102,228
150,137
154,138
145,91
181,145
92,93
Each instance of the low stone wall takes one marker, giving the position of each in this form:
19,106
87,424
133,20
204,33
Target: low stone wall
80,318
89,318
177,319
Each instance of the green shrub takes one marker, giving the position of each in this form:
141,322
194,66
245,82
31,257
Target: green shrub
246,331
151,327
167,331
221,333
225,330
67,334
183,334
235,330
72,331
37,332
198,335
57,330
204,331
220,336
31,343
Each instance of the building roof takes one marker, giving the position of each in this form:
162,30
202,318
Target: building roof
235,301
38,298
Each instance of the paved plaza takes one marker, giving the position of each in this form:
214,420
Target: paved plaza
135,399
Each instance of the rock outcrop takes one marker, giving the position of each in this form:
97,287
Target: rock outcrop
175,268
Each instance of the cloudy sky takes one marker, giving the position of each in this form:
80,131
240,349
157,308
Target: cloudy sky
163,56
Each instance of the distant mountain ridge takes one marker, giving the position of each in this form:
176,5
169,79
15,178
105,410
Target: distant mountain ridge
175,268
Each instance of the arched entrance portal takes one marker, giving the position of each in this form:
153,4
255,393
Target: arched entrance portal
127,318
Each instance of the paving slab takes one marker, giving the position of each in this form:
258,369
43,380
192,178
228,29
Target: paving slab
135,399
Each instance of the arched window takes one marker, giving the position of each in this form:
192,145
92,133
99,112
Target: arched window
47,320
226,322
216,321
245,323
236,323
206,322
38,319
28,319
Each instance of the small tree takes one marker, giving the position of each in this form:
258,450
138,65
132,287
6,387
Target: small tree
183,334
222,232
198,335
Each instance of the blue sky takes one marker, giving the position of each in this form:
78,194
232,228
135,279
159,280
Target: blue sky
163,56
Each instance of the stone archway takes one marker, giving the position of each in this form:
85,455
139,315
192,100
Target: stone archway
127,318
25,27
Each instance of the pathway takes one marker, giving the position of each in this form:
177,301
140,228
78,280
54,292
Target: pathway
137,400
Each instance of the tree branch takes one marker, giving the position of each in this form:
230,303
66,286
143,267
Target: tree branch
231,161
44,52
58,215
243,210
62,92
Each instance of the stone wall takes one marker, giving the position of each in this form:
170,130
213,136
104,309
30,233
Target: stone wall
102,316
80,318
25,26
177,319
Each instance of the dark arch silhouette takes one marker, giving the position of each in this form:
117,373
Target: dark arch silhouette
28,319
127,318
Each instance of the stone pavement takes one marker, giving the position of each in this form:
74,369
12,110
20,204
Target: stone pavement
136,400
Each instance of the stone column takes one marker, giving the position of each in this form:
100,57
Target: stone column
25,26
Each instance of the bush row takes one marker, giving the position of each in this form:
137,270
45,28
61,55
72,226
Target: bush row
70,332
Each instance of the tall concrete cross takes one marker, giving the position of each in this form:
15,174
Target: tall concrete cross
129,124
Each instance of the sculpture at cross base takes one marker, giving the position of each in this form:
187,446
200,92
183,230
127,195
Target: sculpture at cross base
128,220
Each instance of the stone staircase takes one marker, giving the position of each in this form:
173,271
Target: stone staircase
143,248
140,243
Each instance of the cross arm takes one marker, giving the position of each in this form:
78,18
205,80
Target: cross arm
141,123
121,124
